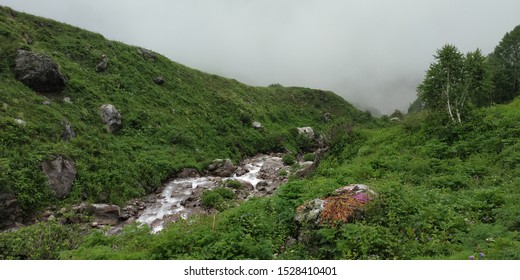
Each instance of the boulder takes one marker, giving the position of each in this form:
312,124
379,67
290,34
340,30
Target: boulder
103,63
67,100
10,211
221,168
159,80
270,169
104,214
38,72
327,117
110,116
257,125
307,131
309,212
147,54
20,122
68,132
60,174
188,173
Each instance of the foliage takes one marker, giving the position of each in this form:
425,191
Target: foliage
309,157
217,198
505,60
454,81
288,159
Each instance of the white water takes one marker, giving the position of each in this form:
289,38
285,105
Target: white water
179,190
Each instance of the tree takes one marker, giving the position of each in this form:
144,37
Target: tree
505,60
454,81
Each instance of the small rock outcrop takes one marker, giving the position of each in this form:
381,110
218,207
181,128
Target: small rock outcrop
60,174
257,125
188,173
345,205
68,132
147,54
159,80
104,214
327,117
103,63
39,72
20,122
10,211
110,116
307,131
221,168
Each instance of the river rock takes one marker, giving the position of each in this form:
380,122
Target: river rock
221,168
103,63
105,214
188,173
110,116
270,168
10,211
39,72
307,131
60,174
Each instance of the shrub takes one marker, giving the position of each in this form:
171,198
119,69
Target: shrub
217,198
288,159
234,184
309,157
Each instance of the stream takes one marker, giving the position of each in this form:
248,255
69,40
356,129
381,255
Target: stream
180,197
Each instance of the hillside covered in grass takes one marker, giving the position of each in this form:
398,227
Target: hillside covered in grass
186,120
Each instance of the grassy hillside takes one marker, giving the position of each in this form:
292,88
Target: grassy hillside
188,121
445,193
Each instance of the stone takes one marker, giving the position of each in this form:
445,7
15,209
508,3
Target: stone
327,117
38,72
270,169
221,168
103,63
147,54
10,210
188,173
307,131
67,100
159,80
60,174
309,212
20,122
104,214
68,132
47,102
110,116
355,189
257,125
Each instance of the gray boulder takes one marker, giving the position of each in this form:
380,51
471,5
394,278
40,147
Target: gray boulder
159,80
10,211
307,131
147,54
110,116
103,63
68,132
221,168
309,213
188,173
60,174
38,72
257,125
104,214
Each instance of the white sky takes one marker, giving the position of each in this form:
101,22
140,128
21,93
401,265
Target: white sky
370,52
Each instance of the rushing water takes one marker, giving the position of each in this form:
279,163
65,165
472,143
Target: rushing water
170,206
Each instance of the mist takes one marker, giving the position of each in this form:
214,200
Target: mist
372,53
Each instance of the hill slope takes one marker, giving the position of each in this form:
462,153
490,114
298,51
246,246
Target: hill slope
189,120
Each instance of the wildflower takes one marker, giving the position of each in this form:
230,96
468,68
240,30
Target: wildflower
482,255
471,257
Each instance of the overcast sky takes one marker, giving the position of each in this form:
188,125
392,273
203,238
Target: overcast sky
370,52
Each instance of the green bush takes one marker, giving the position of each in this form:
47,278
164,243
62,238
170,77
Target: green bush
217,198
309,157
233,184
288,159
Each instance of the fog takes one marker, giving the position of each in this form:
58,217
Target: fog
372,53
